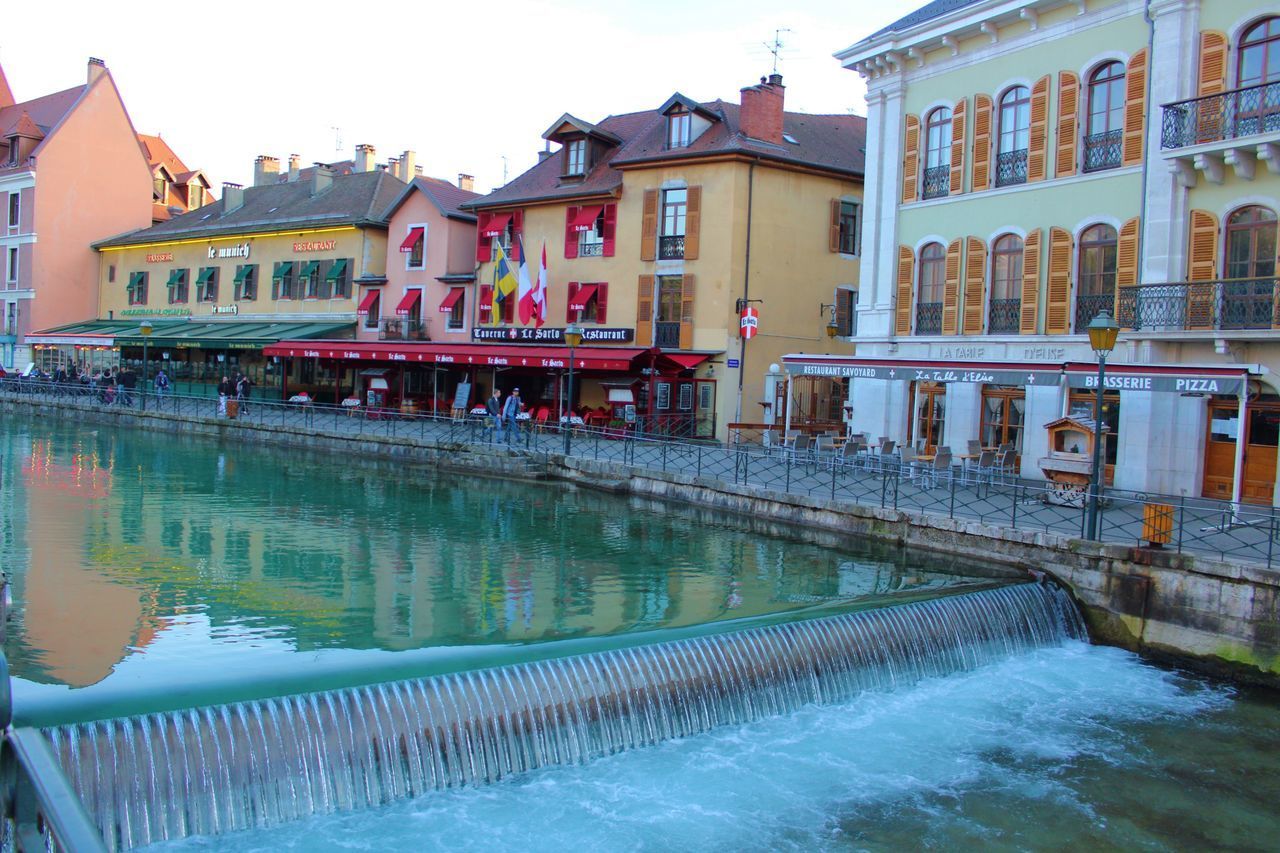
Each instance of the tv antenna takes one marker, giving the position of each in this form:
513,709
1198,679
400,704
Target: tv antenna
776,47
337,138
504,170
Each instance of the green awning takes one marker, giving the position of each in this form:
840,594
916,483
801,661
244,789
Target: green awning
206,275
242,272
236,334
176,276
283,268
135,279
309,269
336,271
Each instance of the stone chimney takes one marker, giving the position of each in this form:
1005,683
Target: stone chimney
232,197
294,167
96,69
364,158
321,179
761,113
543,154
266,170
466,182
408,166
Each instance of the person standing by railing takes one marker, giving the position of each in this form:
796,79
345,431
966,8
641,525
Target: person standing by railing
162,383
510,410
225,390
493,410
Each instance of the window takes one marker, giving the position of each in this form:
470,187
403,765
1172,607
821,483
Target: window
591,241
930,415
1005,311
207,285
1002,416
1014,138
1104,132
15,208
282,281
849,228
177,287
1259,58
416,256
246,283
138,288
846,308
457,314
576,152
111,273
937,156
12,273
670,296
679,129
309,280
1082,405
1251,243
375,310
159,189
196,196
930,287
1097,274
594,307
675,212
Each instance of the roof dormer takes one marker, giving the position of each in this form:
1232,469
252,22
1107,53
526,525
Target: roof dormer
686,120
582,145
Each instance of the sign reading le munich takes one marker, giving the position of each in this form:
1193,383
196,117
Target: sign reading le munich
549,335
240,250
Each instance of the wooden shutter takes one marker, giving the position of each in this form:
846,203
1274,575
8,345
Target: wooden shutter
1135,108
975,275
610,230
1057,308
485,306
906,275
1202,265
693,223
686,312
981,176
951,291
570,236
649,226
602,302
1030,284
644,312
1126,266
1212,77
1068,123
834,233
844,309
483,245
911,160
957,146
517,232
1038,152
570,316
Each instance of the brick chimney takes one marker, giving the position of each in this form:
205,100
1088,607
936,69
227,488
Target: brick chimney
408,166
393,167
364,158
761,113
321,179
295,166
232,197
266,170
466,182
96,69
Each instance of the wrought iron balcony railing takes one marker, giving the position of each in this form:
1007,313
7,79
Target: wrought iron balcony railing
590,250
1004,316
1103,150
1226,305
937,182
667,335
404,330
1216,118
1089,305
928,318
670,248
1011,168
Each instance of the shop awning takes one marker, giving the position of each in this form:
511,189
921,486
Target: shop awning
687,360
175,276
497,224
415,234
96,332
135,279
242,273
206,275
409,303
367,303
282,269
455,293
579,300
1174,378
232,334
586,218
308,269
613,359
336,271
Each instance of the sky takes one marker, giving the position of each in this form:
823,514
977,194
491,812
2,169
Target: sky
462,85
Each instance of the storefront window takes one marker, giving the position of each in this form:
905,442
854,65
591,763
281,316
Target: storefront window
1002,416
1082,406
930,415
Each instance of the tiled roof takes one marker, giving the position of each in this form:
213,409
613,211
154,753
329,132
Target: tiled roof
445,196
350,199
927,12
25,127
158,153
45,111
834,142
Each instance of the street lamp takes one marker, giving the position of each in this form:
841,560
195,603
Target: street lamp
1103,331
833,328
572,337
146,329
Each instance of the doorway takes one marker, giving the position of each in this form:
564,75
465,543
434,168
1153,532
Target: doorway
1261,437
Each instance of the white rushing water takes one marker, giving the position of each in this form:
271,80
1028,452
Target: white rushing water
1038,750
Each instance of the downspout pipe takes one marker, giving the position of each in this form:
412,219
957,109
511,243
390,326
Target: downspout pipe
746,292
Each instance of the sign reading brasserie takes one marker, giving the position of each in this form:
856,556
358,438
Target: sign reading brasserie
159,257
549,335
314,245
240,250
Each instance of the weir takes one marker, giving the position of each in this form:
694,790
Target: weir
218,769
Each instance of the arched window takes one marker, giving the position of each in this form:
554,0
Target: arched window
1247,298
1259,54
1104,131
1014,138
1005,311
1097,265
937,158
931,284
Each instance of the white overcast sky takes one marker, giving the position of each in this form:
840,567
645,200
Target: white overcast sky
462,84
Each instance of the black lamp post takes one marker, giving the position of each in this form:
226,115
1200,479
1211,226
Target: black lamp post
145,329
572,337
1103,331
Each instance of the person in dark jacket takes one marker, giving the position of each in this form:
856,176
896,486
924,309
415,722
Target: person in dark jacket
225,391
493,410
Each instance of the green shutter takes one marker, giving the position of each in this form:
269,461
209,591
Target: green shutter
175,277
283,268
309,269
135,279
241,272
336,271
206,275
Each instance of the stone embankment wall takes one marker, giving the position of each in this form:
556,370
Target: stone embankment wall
1217,617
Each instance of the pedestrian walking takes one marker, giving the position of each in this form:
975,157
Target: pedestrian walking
225,392
162,382
493,411
243,386
510,409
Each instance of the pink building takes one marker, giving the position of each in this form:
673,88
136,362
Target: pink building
71,172
430,265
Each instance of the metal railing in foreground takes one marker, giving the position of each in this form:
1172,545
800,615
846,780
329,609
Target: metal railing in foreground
41,810
991,495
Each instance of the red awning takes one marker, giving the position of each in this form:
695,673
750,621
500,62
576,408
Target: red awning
616,359
497,224
586,218
455,293
367,303
409,304
579,300
687,360
415,234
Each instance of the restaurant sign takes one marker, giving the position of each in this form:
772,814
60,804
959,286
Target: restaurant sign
314,245
233,308
155,312
159,257
887,372
549,335
1169,383
240,250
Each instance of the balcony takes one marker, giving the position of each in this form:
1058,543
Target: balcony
1103,150
1089,305
594,250
671,248
928,318
667,335
1011,168
937,182
404,330
1202,136
1228,305
1004,316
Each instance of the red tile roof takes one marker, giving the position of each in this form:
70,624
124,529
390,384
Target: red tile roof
45,111
445,196
158,153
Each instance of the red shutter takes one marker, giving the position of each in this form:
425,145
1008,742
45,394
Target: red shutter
570,236
485,305
570,316
483,244
508,310
610,228
517,231
602,302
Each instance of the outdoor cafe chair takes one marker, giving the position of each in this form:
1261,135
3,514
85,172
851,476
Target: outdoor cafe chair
1008,463
984,470
939,471
975,447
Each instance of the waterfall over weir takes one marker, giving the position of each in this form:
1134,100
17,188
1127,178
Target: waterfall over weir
211,770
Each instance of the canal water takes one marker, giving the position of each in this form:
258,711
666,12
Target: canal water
155,572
